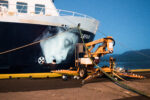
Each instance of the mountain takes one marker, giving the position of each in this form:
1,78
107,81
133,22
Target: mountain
138,55
139,59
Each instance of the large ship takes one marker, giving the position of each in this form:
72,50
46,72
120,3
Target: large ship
33,34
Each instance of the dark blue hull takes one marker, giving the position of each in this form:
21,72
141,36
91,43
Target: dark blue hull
14,35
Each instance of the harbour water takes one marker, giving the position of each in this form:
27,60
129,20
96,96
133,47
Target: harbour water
129,65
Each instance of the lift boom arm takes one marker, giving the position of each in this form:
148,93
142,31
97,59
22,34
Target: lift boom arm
105,48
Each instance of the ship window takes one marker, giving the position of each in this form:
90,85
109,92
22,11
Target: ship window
22,7
39,9
4,3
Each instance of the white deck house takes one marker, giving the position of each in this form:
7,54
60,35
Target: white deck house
37,7
43,12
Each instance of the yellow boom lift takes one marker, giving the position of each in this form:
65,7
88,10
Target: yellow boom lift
86,58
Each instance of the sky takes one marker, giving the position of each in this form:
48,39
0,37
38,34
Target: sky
127,21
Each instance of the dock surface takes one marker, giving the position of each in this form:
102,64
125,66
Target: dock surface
57,89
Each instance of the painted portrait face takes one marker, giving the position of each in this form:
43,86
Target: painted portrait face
59,46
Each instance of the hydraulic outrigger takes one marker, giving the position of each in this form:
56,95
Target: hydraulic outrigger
85,61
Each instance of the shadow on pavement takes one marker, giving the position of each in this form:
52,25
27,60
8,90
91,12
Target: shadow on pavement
135,98
19,85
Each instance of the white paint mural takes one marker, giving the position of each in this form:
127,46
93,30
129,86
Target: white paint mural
59,46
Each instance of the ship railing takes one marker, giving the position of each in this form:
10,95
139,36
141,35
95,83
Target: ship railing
71,13
25,10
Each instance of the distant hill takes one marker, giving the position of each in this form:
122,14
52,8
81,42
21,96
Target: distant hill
139,59
139,55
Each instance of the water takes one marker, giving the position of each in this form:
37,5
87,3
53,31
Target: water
130,65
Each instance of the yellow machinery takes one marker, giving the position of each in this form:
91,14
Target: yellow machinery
85,61
85,58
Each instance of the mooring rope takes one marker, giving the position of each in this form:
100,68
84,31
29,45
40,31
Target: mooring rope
30,44
116,81
125,46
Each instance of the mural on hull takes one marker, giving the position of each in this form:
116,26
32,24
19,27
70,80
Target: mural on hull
58,45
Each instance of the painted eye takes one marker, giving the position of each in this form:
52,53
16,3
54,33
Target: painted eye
68,42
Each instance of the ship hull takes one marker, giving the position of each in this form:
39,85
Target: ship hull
57,43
